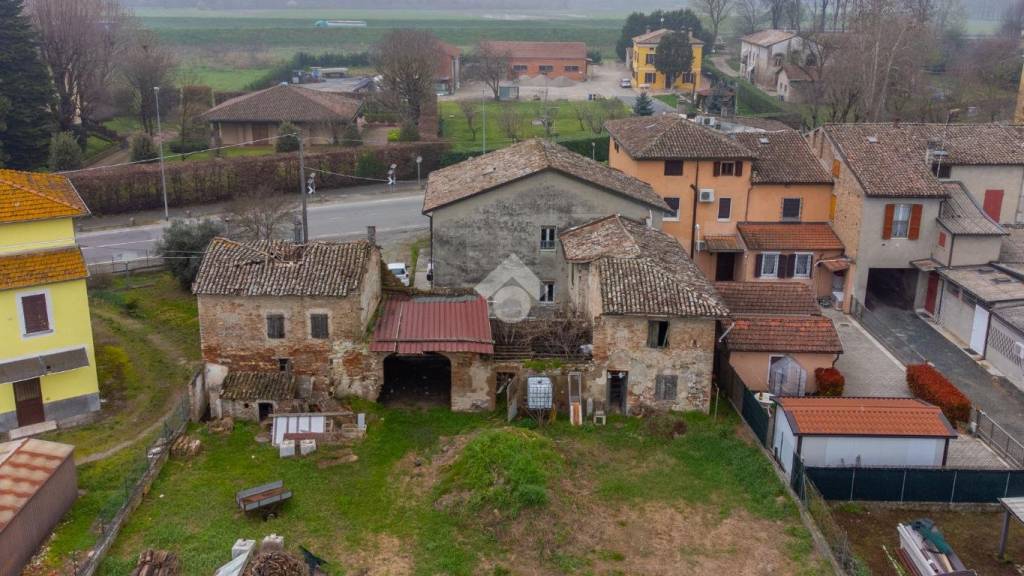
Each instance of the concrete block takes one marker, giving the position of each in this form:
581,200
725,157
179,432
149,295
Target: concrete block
242,547
287,449
307,446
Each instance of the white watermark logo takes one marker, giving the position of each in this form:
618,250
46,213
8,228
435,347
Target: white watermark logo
511,289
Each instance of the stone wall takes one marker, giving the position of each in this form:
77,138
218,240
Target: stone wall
355,371
620,344
473,382
249,409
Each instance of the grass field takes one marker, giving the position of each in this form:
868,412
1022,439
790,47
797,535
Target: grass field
225,79
566,124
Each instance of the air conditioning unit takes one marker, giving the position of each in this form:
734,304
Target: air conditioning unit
706,195
702,246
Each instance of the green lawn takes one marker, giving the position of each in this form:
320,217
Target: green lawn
224,79
225,153
566,125
124,125
383,511
94,145
670,99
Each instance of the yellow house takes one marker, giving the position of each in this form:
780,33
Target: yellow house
646,77
47,362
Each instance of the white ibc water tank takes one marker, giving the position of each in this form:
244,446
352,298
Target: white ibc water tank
539,393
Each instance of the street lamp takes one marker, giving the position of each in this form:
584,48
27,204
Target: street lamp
483,106
163,176
593,150
419,161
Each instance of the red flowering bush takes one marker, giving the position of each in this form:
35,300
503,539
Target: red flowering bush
930,385
830,381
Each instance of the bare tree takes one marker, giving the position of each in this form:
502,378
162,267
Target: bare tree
511,122
749,14
490,66
145,66
80,41
469,110
407,61
579,111
261,214
716,12
776,11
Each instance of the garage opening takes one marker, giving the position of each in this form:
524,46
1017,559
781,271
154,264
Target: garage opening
894,287
417,381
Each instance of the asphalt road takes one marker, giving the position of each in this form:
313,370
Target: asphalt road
339,220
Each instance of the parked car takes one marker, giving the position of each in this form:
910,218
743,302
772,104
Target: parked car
625,83
400,271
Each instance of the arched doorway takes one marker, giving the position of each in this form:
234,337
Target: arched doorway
417,380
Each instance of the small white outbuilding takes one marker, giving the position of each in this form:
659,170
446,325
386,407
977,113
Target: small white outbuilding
840,432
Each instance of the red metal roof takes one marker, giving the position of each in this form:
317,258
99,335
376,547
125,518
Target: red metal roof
865,417
25,465
418,324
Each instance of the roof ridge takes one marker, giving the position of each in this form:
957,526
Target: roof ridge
34,191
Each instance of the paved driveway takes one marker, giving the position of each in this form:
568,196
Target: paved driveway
868,367
604,80
913,340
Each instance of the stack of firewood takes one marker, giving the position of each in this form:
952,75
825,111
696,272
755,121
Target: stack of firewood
157,563
276,564
186,447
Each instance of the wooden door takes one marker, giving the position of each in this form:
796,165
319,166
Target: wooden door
260,132
933,292
28,401
993,203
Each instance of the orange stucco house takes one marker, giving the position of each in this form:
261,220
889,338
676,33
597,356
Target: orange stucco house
753,206
552,59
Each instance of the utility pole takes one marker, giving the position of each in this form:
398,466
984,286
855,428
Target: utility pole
419,161
302,190
163,176
483,105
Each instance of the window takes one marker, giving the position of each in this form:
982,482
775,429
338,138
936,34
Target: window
901,221
284,364
673,203
942,239
666,387
724,209
687,77
727,168
572,68
520,68
942,171
778,60
275,326
616,144
650,78
673,167
649,58
802,265
547,293
791,208
547,238
657,333
35,314
770,264
545,68
318,326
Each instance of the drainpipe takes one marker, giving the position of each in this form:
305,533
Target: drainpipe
693,223
729,329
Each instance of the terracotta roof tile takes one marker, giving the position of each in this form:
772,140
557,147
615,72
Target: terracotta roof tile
23,269
555,50
771,298
768,37
672,137
723,243
889,159
784,334
642,271
655,36
960,214
518,161
783,158
278,268
865,417
789,236
26,196
258,386
286,102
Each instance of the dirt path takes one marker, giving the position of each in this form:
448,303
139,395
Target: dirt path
722,63
124,155
173,401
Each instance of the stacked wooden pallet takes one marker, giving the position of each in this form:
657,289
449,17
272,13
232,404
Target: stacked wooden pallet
186,447
157,563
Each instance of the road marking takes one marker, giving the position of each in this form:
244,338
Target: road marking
116,244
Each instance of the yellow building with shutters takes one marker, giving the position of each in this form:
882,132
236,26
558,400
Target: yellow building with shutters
47,361
647,78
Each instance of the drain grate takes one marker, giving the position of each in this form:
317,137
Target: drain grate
844,324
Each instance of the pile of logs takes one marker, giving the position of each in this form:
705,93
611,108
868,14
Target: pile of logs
186,447
276,564
223,426
157,563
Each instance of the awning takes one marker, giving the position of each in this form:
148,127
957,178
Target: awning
926,265
36,366
835,265
730,243
420,324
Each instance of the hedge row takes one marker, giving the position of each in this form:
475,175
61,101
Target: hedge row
137,187
831,381
578,145
930,385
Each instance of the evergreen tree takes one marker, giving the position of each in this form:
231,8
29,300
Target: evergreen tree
287,141
143,148
65,153
643,106
25,85
674,56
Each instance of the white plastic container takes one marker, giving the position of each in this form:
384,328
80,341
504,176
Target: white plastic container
307,446
287,449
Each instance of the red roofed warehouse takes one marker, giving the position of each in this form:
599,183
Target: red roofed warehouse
553,59
860,432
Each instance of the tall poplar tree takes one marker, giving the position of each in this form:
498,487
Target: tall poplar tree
26,90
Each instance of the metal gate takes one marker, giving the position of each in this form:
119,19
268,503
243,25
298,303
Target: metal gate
512,410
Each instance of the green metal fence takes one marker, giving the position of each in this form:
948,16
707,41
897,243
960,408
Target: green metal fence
916,484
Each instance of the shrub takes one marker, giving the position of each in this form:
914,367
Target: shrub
179,147
350,137
408,133
143,149
65,153
394,134
830,381
930,385
183,244
288,141
506,469
368,166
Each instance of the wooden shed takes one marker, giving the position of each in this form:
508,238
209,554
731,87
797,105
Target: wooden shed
38,484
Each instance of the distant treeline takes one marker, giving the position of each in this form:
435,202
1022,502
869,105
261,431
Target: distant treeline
391,4
302,60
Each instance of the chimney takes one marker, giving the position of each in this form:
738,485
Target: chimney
371,235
